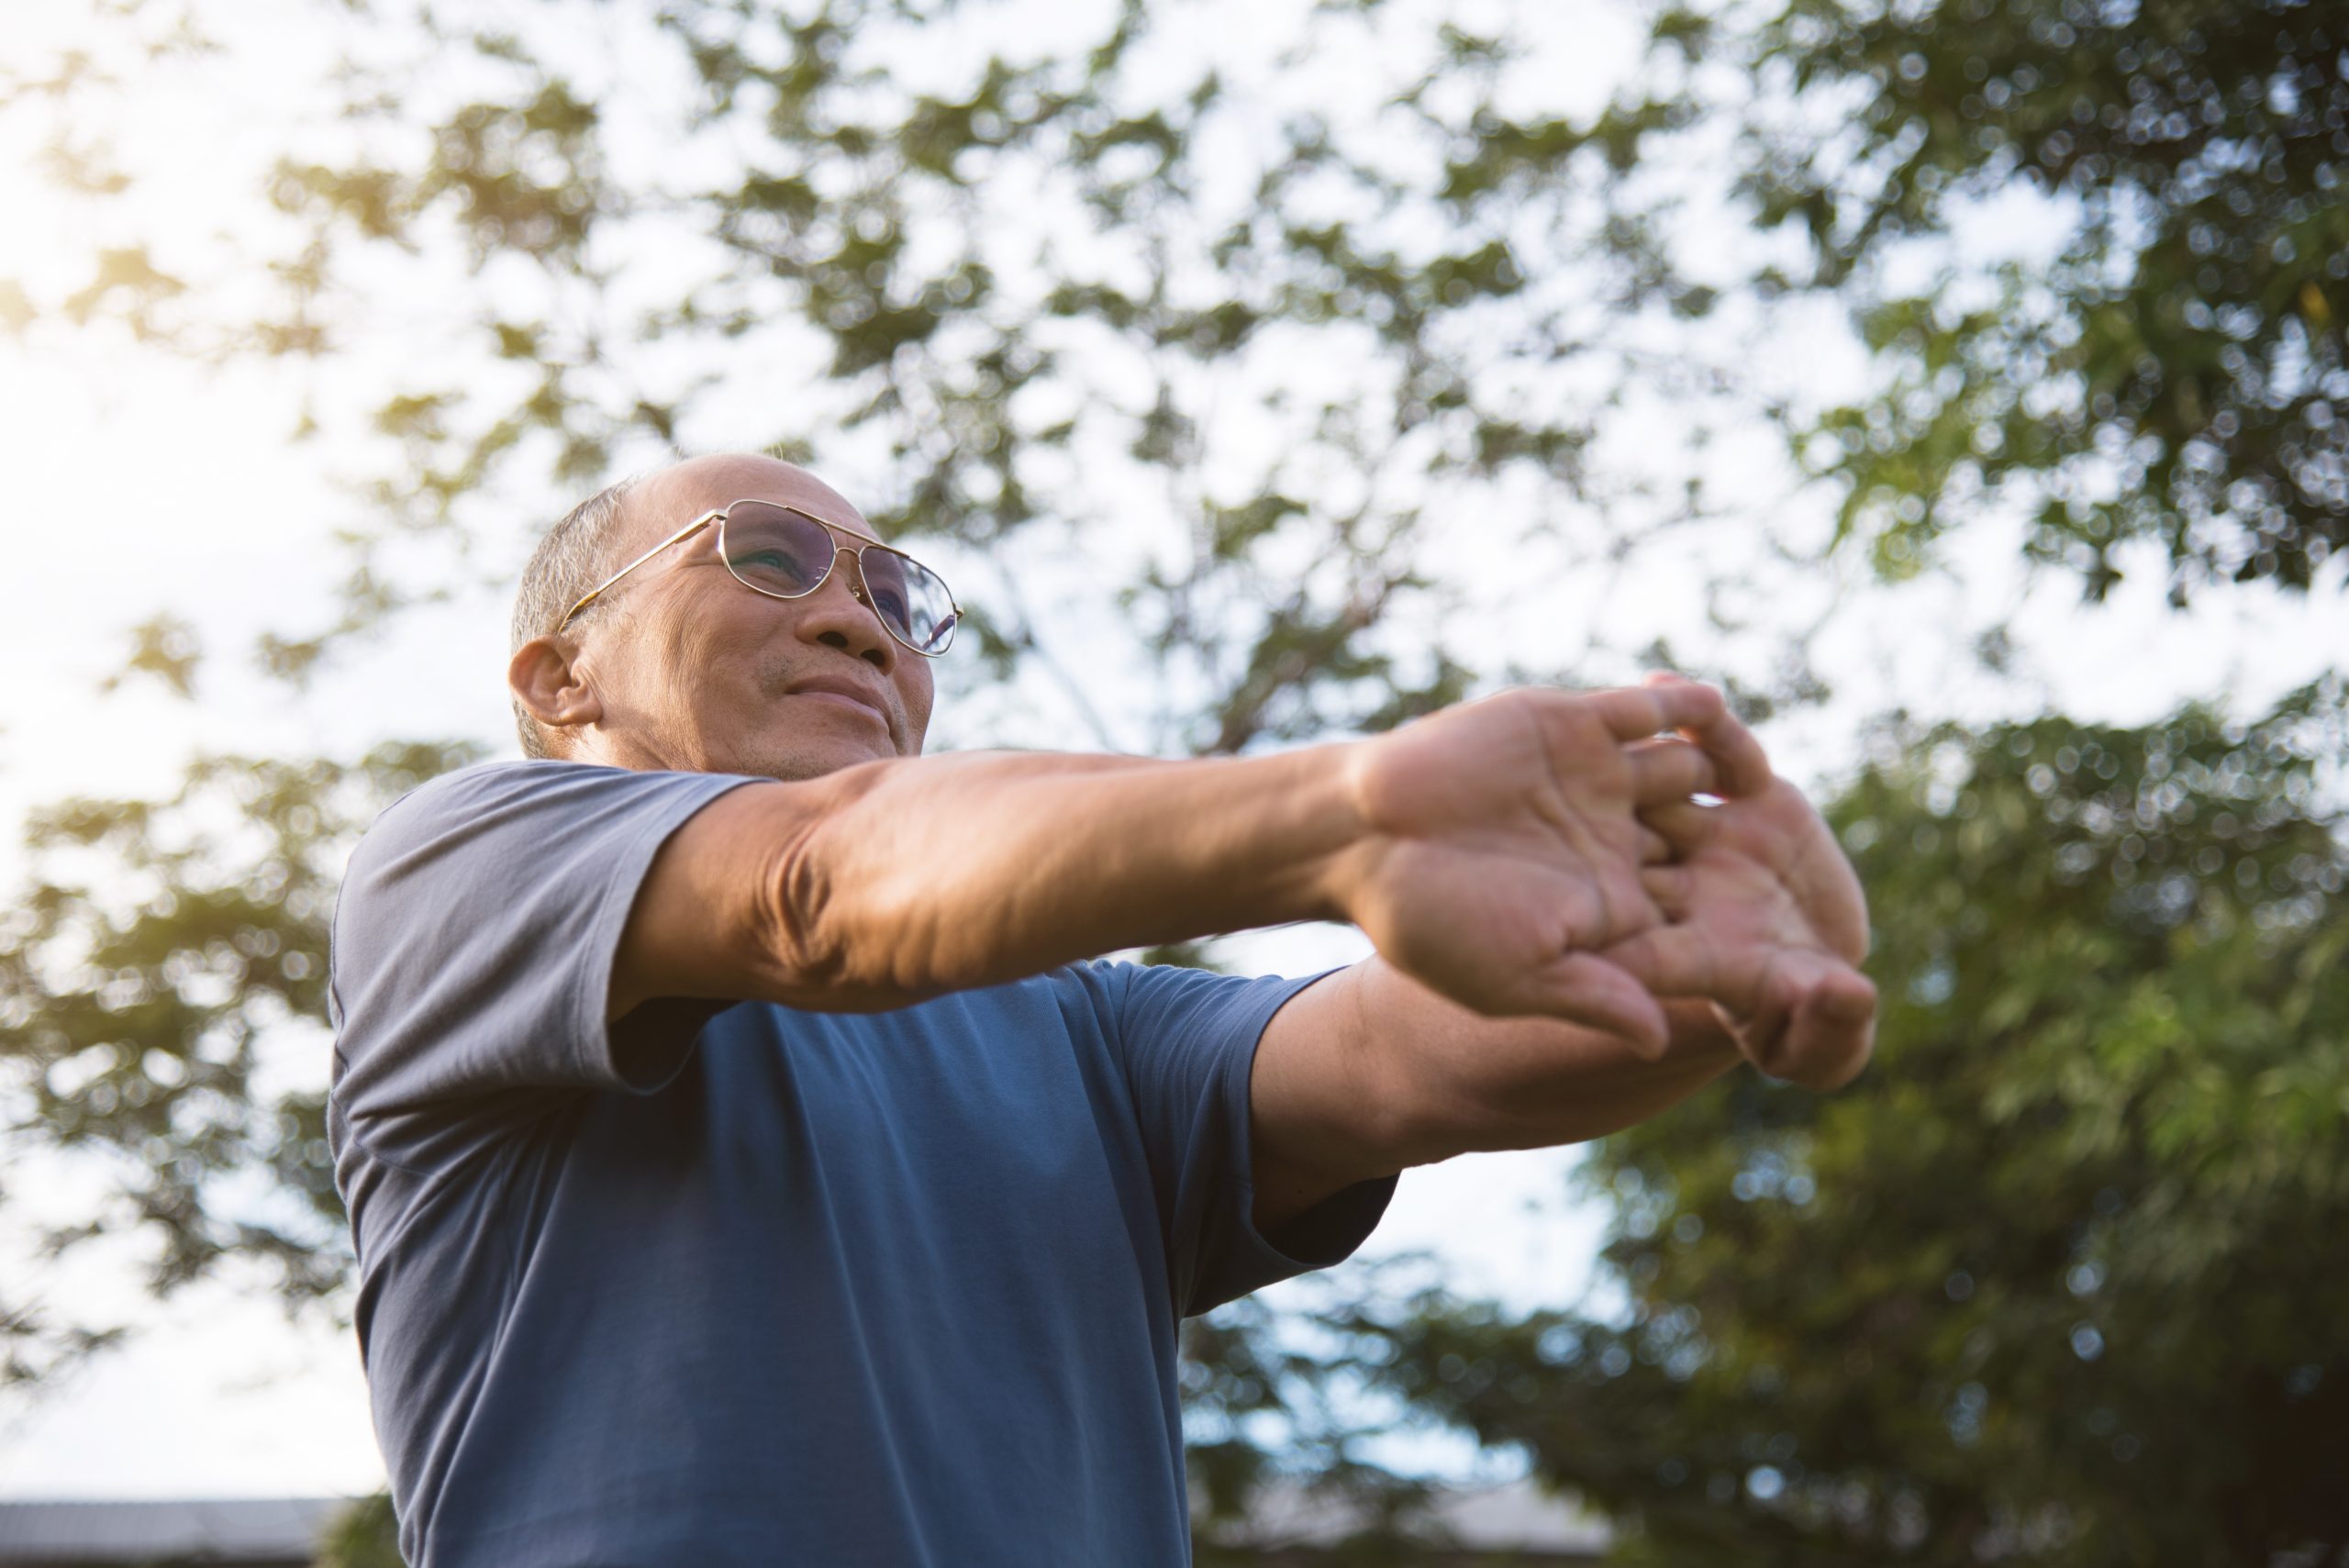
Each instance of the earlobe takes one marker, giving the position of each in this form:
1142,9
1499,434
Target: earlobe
545,679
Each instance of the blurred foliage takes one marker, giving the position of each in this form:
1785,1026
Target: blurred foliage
366,1535
1032,283
2172,370
1070,294
2054,1282
1064,304
1263,374
1249,1372
160,964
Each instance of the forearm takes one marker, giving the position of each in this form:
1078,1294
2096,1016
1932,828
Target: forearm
937,873
1455,1081
1368,1072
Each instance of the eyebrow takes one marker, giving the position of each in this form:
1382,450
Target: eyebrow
862,529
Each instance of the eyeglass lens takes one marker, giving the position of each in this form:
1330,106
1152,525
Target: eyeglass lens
781,553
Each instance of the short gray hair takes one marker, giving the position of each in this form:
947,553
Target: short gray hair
574,556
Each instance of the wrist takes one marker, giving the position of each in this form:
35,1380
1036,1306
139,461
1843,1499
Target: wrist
1342,841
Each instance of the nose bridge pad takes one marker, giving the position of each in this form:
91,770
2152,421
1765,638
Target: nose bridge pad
855,580
855,574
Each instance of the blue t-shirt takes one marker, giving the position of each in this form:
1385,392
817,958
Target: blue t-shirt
744,1285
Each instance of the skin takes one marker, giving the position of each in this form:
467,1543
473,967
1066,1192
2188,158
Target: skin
1759,926
693,675
1765,913
1566,940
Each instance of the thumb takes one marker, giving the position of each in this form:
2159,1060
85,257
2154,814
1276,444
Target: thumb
1831,1033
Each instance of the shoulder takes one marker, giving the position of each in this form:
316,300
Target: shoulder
502,784
489,797
498,828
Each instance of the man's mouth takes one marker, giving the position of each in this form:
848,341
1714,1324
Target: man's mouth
841,694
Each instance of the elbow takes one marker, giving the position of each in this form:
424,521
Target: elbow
843,936
798,931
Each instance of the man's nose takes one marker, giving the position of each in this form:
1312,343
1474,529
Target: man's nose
840,613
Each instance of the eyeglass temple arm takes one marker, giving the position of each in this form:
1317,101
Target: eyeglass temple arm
591,594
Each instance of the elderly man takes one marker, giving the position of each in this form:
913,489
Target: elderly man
749,1161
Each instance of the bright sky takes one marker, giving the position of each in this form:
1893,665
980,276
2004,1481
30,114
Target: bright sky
135,481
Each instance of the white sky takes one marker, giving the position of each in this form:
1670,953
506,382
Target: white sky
210,510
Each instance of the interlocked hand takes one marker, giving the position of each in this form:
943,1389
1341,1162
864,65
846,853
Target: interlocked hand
1505,846
1764,917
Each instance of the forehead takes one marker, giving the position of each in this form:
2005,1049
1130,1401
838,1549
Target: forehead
668,500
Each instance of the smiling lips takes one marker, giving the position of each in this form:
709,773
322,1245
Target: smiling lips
842,694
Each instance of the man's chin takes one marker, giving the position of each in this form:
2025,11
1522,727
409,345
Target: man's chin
812,757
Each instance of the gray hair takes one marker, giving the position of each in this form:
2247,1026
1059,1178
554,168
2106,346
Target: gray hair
574,556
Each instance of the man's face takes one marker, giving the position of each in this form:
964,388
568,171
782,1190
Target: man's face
695,671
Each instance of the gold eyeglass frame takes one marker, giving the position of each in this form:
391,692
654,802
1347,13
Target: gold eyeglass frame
856,584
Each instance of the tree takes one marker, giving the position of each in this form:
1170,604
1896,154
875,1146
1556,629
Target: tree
365,1535
162,959
2171,372
1316,392
1155,358
2050,1283
998,292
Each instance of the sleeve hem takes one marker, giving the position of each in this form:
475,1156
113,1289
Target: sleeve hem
1333,1229
1328,1233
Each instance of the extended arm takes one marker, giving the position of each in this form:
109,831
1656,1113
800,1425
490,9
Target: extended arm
889,881
1488,851
1368,1072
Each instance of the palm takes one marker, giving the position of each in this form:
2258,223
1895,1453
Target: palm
1506,848
1779,831
1767,921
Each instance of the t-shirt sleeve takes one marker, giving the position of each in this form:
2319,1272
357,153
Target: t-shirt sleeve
474,937
1186,1040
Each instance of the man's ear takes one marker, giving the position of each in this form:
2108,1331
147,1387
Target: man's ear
547,681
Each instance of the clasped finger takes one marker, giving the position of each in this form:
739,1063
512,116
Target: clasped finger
1667,771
